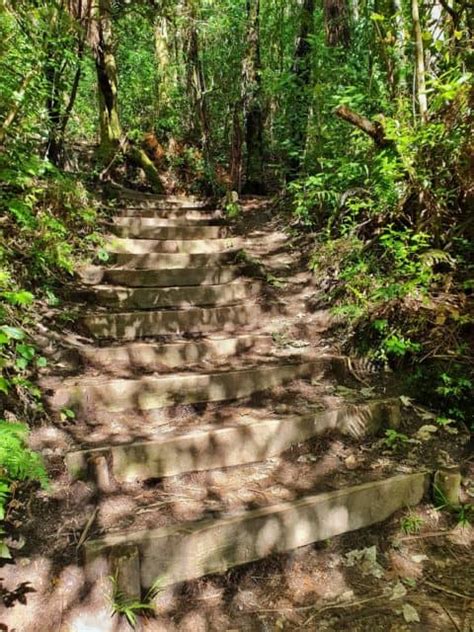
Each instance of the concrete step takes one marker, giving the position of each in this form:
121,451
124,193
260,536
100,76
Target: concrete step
158,357
160,277
174,260
141,198
150,228
187,246
184,552
156,219
196,216
149,393
134,325
244,442
164,297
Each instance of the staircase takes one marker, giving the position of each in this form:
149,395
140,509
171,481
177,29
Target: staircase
184,394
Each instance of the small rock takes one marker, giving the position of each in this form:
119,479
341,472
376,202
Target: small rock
351,462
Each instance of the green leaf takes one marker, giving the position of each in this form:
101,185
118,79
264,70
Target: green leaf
26,351
4,551
41,362
13,332
21,298
4,385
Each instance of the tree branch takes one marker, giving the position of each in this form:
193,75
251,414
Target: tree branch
373,129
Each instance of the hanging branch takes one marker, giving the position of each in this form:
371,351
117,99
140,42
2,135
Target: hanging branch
373,128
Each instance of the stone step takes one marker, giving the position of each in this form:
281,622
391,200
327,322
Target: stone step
134,325
160,277
150,228
196,216
158,357
150,393
184,552
141,198
187,246
157,219
174,260
164,297
244,442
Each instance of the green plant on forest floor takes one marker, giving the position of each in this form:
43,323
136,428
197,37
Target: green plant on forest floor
131,608
463,512
395,440
17,463
411,523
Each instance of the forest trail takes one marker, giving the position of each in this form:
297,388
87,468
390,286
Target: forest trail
205,420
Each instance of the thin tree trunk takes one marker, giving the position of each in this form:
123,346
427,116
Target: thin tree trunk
195,81
302,73
419,63
253,103
236,146
110,127
16,107
400,44
162,55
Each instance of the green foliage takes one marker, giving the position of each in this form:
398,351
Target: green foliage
17,463
463,512
395,440
131,609
411,523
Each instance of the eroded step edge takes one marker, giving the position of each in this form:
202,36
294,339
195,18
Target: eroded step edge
193,550
212,448
182,232
135,325
150,356
171,261
123,298
156,246
150,393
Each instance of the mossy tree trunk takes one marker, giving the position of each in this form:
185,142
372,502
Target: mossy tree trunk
110,127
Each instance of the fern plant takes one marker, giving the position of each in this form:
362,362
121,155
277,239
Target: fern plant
17,463
131,608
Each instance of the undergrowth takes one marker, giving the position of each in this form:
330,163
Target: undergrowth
48,224
394,248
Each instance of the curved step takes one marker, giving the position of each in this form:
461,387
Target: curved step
187,246
151,297
249,442
160,277
153,229
134,325
149,393
155,357
181,553
165,261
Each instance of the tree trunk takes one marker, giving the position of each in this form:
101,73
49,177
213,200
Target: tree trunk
110,128
16,106
419,63
253,103
236,146
336,23
400,44
162,55
302,73
196,84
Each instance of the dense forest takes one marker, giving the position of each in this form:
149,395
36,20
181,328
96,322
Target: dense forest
352,119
